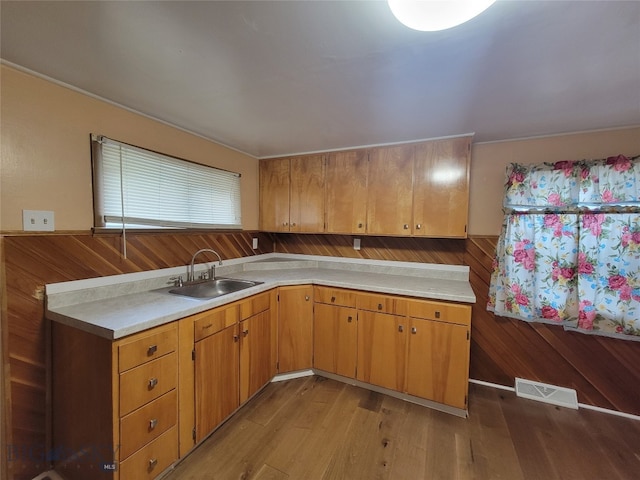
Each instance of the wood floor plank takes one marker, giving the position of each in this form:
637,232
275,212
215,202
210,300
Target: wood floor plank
314,428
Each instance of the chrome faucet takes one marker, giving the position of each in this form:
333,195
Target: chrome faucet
212,275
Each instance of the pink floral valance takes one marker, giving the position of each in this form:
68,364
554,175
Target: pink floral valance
613,182
569,251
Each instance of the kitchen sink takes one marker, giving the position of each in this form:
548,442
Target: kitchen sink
213,288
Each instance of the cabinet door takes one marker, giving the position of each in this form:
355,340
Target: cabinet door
390,197
216,379
346,179
295,328
335,339
306,208
441,188
382,349
255,354
274,195
438,362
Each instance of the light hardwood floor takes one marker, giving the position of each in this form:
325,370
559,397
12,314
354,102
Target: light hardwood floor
314,429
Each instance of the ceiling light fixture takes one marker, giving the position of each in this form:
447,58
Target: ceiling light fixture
434,15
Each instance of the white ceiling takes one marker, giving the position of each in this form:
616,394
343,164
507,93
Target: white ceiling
272,78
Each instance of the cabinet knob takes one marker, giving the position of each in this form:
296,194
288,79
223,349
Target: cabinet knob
293,224
333,299
236,338
152,349
152,463
437,314
153,381
360,225
307,297
349,319
153,423
379,306
406,226
284,224
414,330
418,226
400,328
245,333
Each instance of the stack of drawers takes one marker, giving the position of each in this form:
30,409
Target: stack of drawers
148,405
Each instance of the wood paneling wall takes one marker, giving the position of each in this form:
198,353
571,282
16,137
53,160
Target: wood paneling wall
30,262
403,249
604,371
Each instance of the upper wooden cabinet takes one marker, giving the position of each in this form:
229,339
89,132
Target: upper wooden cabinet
441,188
274,195
390,190
418,189
346,192
292,194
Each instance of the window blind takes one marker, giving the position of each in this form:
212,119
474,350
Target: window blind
138,188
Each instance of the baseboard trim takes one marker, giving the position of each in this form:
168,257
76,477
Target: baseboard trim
580,405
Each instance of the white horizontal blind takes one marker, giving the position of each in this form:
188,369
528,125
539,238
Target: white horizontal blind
141,188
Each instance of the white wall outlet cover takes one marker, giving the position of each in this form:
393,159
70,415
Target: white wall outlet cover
38,221
255,243
356,244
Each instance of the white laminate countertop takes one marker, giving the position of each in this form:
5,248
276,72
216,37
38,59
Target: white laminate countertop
117,306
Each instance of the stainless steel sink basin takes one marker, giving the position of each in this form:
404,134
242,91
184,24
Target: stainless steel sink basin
213,288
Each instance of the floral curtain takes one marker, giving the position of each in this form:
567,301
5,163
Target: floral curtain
569,251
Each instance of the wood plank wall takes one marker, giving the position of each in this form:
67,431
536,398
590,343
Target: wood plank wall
33,261
604,371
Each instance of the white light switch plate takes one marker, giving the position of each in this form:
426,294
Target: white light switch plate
255,243
356,244
37,221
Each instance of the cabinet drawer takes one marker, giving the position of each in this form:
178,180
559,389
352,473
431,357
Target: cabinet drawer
142,384
143,425
335,296
153,459
208,323
441,311
139,350
380,303
253,305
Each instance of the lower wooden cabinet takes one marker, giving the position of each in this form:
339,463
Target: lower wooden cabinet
414,346
295,328
335,334
233,363
381,349
438,362
115,408
217,380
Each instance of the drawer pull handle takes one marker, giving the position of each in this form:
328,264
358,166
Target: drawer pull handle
333,299
400,328
414,330
379,306
152,463
437,314
153,423
152,349
349,319
153,381
209,325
